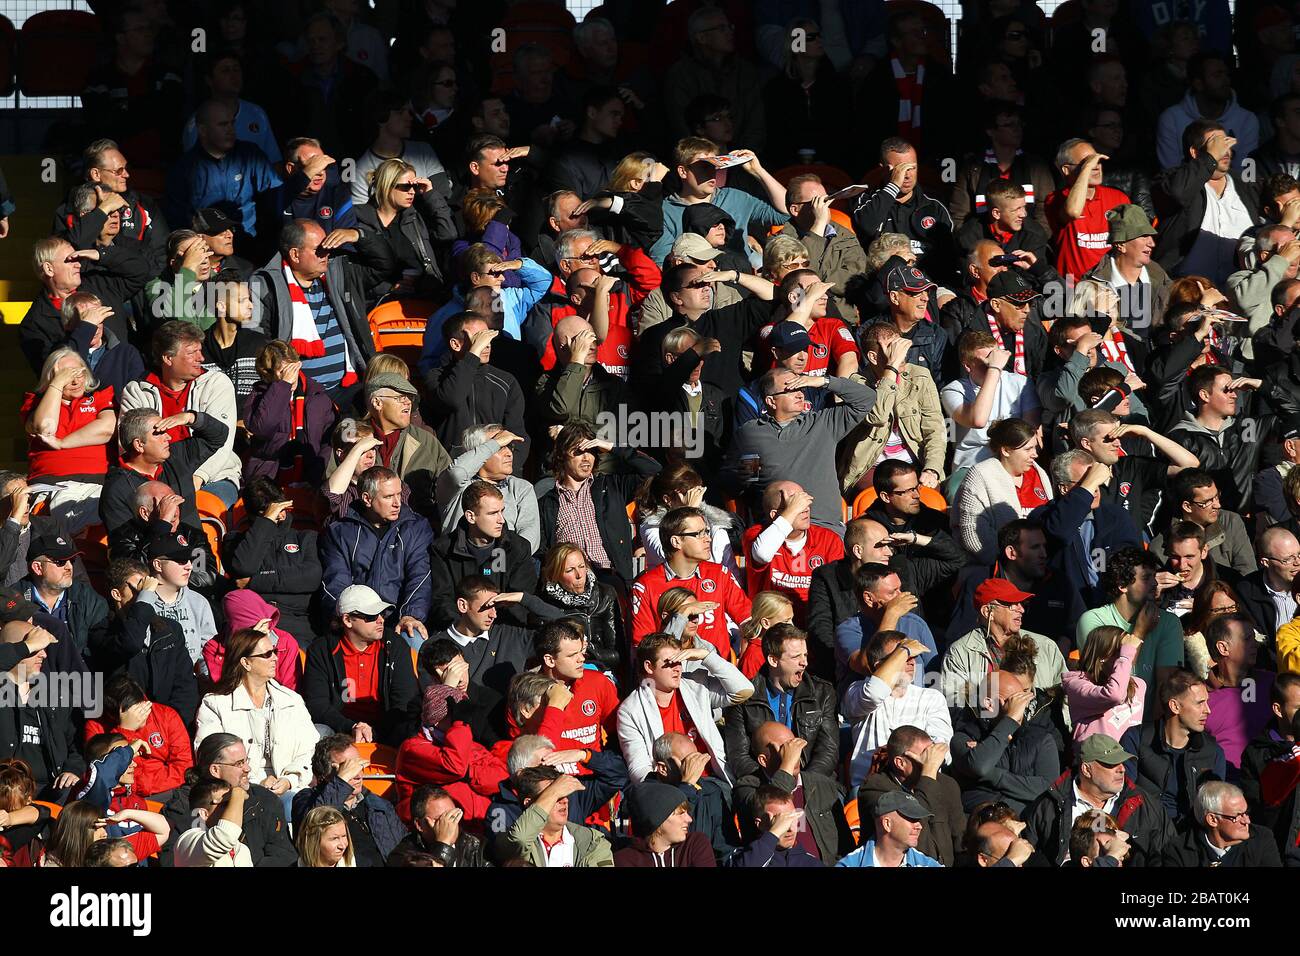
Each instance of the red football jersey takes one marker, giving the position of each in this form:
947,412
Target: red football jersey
1084,241
594,706
710,582
791,574
830,339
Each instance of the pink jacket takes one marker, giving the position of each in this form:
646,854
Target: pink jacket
1101,708
244,608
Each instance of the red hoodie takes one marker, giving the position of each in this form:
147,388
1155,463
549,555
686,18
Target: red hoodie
578,727
163,768
470,772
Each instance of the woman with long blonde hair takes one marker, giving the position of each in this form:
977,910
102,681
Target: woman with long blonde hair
769,609
323,839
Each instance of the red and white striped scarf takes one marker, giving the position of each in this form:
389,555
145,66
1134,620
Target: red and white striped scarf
1018,362
1113,349
909,96
303,334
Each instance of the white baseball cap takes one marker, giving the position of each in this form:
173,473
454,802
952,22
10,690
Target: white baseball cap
358,597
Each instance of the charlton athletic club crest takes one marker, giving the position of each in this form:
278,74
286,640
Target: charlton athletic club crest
326,211
155,740
589,708
291,548
927,222
1124,488
815,561
819,350
707,587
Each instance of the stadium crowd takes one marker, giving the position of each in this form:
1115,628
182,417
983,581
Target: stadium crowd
459,436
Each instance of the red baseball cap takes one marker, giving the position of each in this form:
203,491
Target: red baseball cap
1000,590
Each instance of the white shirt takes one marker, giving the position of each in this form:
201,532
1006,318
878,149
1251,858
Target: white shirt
1014,399
876,713
1135,300
464,640
1214,253
1283,602
562,853
1082,806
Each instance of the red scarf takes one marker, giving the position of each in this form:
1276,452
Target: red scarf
1113,349
1018,363
172,403
910,89
292,473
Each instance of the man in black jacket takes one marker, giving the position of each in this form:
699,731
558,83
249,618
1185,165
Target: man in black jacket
465,391
1175,754
1227,446
150,648
1011,315
277,560
1006,223
913,763
785,692
778,754
1098,783
120,272
900,206
1022,560
51,586
833,596
35,725
437,832
157,511
149,454
1273,801
679,763
1265,594
1186,246
1220,833
481,545
223,756
340,672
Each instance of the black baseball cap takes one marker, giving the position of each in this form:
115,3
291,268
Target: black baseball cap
15,607
1009,284
173,547
56,546
1292,428
212,222
907,279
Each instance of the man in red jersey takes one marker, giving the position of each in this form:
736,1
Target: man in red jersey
1077,213
559,646
685,537
832,349
782,555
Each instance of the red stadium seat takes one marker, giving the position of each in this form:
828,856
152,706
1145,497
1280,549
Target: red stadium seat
400,323
57,50
930,497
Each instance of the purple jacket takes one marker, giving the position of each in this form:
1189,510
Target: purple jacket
497,237
269,418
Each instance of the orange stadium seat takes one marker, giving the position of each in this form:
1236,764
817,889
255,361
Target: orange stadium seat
930,497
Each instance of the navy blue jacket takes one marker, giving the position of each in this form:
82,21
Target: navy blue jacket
386,829
393,560
331,208
1063,516
764,852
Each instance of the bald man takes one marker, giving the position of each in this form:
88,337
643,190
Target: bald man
783,551
1265,594
996,844
779,753
157,510
577,388
219,171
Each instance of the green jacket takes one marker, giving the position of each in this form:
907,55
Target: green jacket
418,459
566,398
590,848
179,296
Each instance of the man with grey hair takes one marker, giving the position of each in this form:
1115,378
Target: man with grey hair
678,763
489,456
1085,529
1220,832
711,65
1273,260
608,775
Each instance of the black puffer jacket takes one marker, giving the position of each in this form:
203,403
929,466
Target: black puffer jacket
266,832
1047,823
425,225
1231,455
1190,849
465,393
1154,770
283,565
151,649
815,720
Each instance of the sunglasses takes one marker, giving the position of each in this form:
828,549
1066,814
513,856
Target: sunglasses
703,532
368,618
405,187
265,655
59,562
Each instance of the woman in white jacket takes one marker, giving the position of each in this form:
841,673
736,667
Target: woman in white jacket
665,703
272,720
1000,489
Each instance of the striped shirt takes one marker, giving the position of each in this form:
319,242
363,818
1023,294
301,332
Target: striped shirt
329,368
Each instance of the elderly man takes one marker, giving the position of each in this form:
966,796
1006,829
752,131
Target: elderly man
1220,832
1140,284
1274,260
972,657
303,298
219,171
898,821
119,273
1098,783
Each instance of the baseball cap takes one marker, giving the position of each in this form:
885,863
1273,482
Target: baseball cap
691,245
907,279
1008,284
902,803
15,607
1292,428
1103,749
173,547
359,597
1127,222
1000,590
390,380
789,337
57,546
212,222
